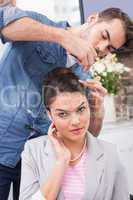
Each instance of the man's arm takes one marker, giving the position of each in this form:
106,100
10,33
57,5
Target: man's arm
16,25
27,29
96,112
95,99
96,122
5,2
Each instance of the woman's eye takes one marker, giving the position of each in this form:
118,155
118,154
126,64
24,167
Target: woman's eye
82,109
63,115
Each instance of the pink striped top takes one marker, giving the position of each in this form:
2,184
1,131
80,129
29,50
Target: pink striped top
73,185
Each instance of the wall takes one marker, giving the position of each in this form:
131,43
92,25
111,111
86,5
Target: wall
124,99
97,5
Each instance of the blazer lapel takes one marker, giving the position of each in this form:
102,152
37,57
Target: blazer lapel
95,167
50,159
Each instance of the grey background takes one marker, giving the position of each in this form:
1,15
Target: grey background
91,6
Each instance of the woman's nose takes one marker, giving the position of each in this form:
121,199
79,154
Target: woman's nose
75,119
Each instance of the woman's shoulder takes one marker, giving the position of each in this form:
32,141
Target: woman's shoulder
39,140
35,146
109,150
102,143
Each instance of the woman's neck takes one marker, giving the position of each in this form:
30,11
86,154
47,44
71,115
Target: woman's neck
75,147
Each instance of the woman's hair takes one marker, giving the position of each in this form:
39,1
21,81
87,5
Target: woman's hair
58,81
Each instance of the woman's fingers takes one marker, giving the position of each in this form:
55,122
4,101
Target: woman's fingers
52,135
56,141
62,152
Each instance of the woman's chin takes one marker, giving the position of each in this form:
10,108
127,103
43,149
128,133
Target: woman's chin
76,135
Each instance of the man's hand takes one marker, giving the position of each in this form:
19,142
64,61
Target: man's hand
80,49
28,29
97,93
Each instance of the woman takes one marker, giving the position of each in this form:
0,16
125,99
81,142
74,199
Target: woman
70,163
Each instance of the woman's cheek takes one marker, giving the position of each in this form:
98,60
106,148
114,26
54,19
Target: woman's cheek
85,119
62,125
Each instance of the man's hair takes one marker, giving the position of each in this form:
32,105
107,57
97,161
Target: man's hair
58,81
116,13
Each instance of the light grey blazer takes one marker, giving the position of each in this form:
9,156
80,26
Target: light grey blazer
105,175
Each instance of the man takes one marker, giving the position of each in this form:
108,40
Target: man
5,2
36,46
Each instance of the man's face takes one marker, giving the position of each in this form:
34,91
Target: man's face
105,36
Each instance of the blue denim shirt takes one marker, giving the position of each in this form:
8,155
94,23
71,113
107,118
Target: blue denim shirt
22,68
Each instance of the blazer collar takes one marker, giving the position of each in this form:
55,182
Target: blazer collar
94,147
94,167
49,157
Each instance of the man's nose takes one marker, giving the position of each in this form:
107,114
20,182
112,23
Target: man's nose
103,48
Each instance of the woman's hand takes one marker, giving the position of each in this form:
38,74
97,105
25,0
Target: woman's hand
62,152
63,156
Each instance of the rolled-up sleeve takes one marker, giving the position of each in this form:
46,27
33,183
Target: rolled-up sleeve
8,14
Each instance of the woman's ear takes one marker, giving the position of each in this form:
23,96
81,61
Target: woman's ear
93,18
49,114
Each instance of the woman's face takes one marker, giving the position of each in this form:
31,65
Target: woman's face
71,115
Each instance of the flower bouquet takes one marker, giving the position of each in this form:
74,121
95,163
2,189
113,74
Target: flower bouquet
110,72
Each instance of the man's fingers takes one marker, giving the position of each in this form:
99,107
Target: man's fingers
90,58
96,96
92,55
92,81
87,58
94,85
96,100
85,63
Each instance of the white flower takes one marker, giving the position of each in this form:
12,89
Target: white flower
110,68
99,67
120,68
104,74
127,69
108,64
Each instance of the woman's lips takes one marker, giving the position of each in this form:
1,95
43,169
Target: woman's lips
77,131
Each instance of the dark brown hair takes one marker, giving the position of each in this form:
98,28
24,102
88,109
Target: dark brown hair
60,80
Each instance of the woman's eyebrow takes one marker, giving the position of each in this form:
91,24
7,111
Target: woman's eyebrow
62,110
